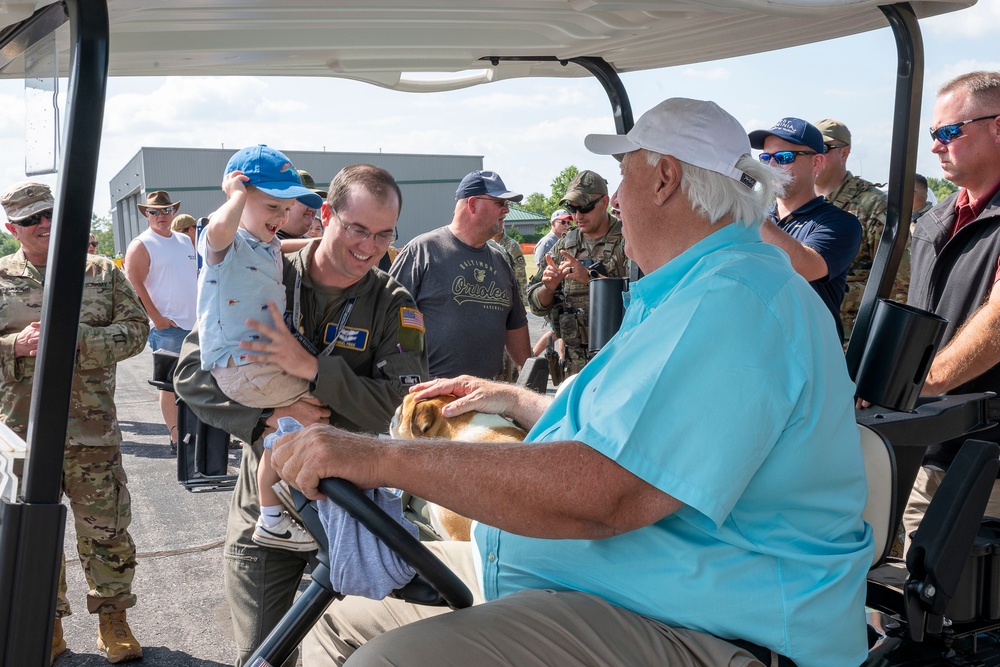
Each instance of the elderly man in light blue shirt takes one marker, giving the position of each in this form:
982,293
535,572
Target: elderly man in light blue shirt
694,496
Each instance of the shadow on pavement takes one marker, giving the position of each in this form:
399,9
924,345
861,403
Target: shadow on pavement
152,656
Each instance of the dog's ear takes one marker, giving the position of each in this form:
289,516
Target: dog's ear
425,415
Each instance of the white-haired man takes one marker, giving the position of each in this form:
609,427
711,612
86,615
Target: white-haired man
702,537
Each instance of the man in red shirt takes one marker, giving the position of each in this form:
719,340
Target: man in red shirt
956,263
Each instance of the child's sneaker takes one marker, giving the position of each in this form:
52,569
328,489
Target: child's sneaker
286,534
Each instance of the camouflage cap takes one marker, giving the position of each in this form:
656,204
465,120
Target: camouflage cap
183,222
25,199
834,130
582,189
309,182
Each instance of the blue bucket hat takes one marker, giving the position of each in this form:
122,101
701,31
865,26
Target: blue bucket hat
792,130
485,183
272,173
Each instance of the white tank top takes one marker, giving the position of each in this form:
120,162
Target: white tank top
172,281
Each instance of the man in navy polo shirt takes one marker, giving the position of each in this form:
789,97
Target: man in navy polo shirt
820,238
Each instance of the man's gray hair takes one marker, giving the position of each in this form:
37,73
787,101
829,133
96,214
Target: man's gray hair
718,196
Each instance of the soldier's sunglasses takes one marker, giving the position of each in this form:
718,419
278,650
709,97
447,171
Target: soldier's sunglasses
34,219
948,133
573,208
783,157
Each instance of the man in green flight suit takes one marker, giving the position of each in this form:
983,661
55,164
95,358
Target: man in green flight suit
367,340
560,290
113,327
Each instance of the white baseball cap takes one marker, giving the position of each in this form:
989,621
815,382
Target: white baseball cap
560,214
693,131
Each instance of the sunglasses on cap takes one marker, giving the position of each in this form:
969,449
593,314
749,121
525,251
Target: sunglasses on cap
166,210
573,208
783,157
33,220
948,133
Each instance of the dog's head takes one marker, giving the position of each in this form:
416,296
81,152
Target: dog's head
424,420
420,420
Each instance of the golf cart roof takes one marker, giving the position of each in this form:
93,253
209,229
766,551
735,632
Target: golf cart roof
428,45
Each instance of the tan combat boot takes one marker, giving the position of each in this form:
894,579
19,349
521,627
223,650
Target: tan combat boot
58,642
115,638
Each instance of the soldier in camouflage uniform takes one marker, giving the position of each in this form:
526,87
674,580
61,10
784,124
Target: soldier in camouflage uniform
865,201
512,252
560,290
113,327
515,257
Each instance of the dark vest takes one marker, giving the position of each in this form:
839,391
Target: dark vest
953,278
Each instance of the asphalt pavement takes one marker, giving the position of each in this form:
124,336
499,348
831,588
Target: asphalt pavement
181,617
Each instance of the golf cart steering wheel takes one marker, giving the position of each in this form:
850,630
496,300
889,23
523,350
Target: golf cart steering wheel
434,581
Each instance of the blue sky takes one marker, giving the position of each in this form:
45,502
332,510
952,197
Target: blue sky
527,129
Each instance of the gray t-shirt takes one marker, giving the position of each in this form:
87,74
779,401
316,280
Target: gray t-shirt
469,300
542,248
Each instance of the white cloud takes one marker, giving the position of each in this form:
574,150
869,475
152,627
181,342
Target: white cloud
707,73
975,22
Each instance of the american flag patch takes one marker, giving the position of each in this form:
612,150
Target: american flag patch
411,318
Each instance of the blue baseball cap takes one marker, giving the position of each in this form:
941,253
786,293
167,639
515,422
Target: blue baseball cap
272,173
792,130
485,183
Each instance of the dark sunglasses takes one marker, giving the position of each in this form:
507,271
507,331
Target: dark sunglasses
833,147
783,157
572,208
92,245
34,219
948,133
499,202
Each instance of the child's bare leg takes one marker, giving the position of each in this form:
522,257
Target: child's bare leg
270,504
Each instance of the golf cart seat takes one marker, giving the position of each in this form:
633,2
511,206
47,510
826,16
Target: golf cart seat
880,508
918,597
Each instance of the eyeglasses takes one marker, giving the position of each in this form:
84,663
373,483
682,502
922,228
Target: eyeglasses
573,208
167,210
948,133
34,219
783,157
833,147
502,203
358,233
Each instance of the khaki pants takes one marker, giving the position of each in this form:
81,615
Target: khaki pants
260,582
528,628
924,487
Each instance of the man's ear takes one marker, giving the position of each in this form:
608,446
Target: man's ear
325,214
818,160
667,177
11,228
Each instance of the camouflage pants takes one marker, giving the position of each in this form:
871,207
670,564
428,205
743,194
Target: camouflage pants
95,483
578,357
574,335
849,307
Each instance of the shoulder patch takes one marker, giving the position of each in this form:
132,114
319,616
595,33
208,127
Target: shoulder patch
411,318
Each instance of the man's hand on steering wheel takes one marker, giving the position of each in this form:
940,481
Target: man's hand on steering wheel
320,451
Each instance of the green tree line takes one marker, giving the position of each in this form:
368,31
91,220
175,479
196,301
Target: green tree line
100,227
